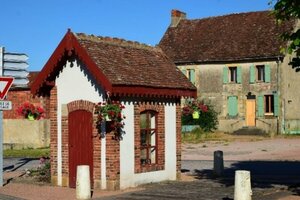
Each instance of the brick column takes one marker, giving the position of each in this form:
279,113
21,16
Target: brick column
53,134
112,162
178,140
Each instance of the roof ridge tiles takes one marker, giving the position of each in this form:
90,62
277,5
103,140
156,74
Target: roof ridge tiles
226,15
117,41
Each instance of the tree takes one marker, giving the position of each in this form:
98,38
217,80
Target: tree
285,10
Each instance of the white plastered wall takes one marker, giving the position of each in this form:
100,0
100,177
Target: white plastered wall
127,176
74,83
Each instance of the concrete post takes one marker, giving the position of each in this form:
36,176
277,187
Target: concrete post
242,185
218,163
83,183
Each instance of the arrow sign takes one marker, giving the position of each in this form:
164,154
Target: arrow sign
5,84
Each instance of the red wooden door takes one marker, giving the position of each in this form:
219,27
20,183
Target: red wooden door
80,143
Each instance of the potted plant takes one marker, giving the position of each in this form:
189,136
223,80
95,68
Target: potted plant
110,115
30,111
194,108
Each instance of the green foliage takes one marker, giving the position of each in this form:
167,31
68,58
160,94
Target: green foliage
26,153
208,117
43,173
285,10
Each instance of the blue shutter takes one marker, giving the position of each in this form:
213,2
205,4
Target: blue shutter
252,74
183,71
225,75
267,74
192,76
276,104
260,105
232,106
239,75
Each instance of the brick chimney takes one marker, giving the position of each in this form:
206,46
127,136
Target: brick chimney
176,16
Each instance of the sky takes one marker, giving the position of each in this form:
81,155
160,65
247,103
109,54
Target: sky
35,27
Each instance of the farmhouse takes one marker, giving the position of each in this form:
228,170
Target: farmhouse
85,70
236,64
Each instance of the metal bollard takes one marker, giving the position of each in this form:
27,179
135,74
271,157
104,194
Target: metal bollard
218,163
83,183
242,185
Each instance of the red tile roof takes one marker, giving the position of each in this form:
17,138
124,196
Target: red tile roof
121,67
234,37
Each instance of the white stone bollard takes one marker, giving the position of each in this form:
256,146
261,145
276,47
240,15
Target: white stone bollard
218,163
242,185
83,183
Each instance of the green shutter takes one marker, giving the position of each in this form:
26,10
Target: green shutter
192,76
239,75
225,75
267,74
252,74
232,106
260,105
276,104
183,71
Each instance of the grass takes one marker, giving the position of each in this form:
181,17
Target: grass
26,153
198,136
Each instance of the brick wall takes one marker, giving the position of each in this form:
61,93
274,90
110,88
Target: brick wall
138,108
18,97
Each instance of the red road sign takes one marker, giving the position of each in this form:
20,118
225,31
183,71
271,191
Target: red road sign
5,84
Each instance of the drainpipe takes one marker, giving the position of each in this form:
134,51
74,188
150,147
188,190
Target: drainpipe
282,102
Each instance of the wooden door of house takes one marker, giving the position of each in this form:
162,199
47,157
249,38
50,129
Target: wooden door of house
80,143
250,112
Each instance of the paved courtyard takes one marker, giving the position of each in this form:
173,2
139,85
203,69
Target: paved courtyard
274,166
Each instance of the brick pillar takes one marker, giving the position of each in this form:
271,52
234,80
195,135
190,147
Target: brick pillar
178,140
112,162
53,134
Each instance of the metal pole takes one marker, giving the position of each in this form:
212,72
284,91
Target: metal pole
1,122
1,148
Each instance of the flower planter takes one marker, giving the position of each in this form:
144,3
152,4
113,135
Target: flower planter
107,118
30,117
195,115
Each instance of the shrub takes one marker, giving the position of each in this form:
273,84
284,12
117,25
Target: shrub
208,117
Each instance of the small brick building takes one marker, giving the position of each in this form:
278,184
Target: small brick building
80,73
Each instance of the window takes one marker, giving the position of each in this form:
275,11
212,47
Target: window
148,137
232,74
260,73
190,74
232,106
269,104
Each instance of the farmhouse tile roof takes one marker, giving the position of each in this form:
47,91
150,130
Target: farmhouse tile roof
121,67
234,37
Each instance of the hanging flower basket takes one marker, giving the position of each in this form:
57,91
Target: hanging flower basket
194,108
110,115
195,115
30,111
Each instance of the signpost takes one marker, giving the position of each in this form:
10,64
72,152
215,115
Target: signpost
12,67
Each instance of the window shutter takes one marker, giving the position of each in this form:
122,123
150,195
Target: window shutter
276,104
252,74
260,105
232,106
192,76
239,74
225,75
183,71
267,74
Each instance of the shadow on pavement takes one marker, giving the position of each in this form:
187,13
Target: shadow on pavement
264,174
20,163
